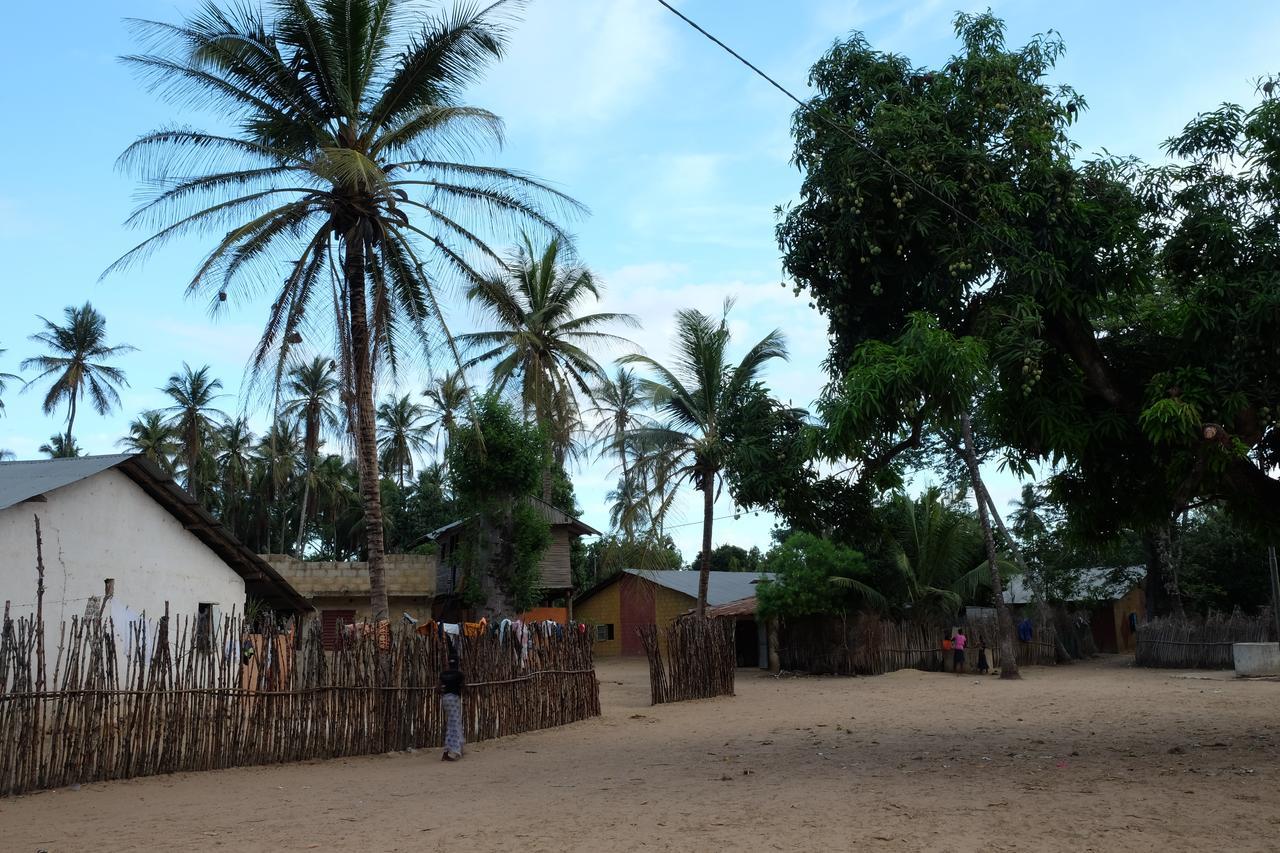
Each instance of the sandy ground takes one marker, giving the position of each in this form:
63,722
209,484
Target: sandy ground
1096,756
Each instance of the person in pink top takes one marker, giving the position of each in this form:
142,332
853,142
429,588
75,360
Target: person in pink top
958,642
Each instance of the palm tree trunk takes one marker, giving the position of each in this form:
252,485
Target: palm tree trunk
302,514
1008,656
366,425
71,419
192,455
708,512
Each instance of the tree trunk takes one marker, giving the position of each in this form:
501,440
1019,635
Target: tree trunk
1008,656
1059,649
1160,547
366,423
193,453
71,419
775,662
302,514
708,513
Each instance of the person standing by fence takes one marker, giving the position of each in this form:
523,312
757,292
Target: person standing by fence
451,684
958,642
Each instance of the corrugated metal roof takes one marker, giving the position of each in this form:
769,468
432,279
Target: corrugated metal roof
1097,584
21,481
735,609
722,587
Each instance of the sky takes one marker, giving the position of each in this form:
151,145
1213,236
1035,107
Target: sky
680,153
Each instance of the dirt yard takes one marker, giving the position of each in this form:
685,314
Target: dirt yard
1094,756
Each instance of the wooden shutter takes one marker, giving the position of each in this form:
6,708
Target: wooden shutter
331,622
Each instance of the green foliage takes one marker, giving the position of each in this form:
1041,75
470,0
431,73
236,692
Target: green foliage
1128,314
774,461
814,576
413,511
530,538
731,558
895,394
609,555
496,462
496,456
937,550
1222,563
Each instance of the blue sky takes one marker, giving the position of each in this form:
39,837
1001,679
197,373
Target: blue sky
680,153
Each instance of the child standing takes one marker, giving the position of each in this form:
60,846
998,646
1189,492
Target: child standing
958,642
983,667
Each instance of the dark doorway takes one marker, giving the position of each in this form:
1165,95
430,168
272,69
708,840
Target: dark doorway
746,641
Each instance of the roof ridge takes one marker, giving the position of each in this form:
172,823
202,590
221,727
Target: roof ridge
68,459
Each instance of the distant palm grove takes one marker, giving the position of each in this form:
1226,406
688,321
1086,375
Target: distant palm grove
1105,330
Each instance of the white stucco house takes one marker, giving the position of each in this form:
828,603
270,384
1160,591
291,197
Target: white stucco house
120,523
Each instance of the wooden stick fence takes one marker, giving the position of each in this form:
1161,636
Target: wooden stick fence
694,659
191,696
866,645
1199,643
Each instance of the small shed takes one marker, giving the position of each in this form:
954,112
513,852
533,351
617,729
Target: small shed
1112,596
620,604
121,535
750,637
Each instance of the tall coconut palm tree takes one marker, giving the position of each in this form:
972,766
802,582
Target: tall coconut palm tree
617,403
313,388
402,433
76,362
235,461
350,151
193,419
540,341
1026,519
446,397
151,436
627,507
694,396
58,448
277,459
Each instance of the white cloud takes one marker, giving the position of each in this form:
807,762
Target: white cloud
572,63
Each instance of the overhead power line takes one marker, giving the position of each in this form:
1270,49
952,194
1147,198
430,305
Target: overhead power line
804,105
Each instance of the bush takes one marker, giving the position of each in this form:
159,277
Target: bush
813,576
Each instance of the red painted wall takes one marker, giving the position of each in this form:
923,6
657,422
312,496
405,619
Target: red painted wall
636,605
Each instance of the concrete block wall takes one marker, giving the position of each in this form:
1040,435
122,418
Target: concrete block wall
412,575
